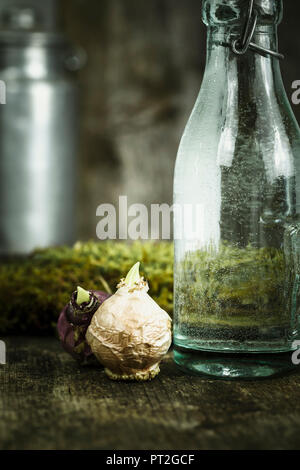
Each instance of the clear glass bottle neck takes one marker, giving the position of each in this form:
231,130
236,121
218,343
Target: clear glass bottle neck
217,51
251,74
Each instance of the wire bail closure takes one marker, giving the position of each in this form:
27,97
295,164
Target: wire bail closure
241,45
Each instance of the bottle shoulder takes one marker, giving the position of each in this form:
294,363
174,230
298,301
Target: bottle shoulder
226,121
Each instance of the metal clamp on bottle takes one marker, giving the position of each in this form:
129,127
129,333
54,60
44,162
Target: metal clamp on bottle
241,45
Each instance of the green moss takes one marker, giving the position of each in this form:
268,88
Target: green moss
234,286
34,290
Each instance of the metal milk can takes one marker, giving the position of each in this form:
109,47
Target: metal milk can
38,129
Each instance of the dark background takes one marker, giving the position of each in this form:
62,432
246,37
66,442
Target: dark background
144,70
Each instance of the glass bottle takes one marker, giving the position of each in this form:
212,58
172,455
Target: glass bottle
237,204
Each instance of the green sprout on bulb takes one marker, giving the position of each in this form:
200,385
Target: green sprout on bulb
83,296
133,276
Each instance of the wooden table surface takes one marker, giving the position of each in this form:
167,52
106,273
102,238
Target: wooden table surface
48,402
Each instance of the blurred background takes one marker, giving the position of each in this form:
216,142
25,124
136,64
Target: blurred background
129,82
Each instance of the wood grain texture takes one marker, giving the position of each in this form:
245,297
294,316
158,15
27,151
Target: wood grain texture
48,402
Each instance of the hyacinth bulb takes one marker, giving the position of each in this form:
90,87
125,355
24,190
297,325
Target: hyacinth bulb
74,320
130,334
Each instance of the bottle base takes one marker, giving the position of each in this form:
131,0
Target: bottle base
234,366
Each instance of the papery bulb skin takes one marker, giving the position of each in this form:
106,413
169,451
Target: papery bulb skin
73,323
130,333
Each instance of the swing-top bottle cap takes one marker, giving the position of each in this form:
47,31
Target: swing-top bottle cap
234,12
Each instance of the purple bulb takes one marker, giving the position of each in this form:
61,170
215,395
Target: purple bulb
73,323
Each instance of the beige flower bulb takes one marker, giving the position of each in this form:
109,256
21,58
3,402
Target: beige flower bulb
129,334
